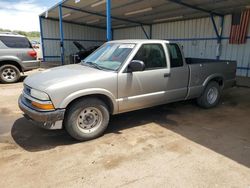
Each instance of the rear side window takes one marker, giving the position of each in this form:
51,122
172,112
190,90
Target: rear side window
15,42
152,55
176,59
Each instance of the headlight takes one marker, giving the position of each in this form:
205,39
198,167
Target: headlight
39,95
43,101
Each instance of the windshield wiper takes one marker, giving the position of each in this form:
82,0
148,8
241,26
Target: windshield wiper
94,65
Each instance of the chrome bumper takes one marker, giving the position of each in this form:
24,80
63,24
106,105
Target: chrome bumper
47,120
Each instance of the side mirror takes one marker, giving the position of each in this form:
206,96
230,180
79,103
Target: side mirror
136,66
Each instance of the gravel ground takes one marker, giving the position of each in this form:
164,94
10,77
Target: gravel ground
175,145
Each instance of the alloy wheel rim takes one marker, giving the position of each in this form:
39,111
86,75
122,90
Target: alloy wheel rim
212,95
9,74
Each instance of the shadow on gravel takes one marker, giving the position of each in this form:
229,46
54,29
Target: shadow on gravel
22,78
33,138
224,130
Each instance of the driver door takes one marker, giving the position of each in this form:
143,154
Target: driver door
147,88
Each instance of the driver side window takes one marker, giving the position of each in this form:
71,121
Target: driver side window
152,55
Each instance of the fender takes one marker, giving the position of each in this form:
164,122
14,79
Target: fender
86,92
211,77
11,58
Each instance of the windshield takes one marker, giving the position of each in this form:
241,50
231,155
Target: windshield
110,56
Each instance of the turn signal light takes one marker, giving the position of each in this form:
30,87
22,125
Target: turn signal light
43,106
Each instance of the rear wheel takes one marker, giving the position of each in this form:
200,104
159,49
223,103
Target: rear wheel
210,96
87,119
9,74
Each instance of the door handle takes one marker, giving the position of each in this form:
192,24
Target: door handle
167,75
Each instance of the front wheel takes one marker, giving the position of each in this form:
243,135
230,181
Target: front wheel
87,119
9,74
210,96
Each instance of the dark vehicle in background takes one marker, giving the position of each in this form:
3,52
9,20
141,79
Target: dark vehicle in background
16,55
82,53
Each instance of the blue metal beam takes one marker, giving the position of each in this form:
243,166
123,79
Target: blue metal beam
218,33
102,15
222,26
61,33
112,33
85,40
150,31
215,27
81,24
126,27
108,20
179,2
144,31
41,34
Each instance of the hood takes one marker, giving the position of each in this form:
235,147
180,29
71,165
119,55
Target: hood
79,46
65,76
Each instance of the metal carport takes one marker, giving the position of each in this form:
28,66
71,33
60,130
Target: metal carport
123,14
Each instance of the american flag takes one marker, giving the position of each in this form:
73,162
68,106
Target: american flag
239,27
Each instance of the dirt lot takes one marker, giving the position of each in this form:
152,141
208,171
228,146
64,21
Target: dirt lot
176,145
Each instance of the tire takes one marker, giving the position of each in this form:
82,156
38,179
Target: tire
211,96
82,115
9,74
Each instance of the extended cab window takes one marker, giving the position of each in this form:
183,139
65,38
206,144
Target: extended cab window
152,55
175,55
15,42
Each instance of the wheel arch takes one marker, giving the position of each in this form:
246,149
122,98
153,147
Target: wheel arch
219,78
101,94
11,62
101,97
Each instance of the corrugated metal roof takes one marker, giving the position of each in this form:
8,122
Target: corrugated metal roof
142,11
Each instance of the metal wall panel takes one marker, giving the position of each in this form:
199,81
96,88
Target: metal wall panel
198,39
190,34
72,32
131,33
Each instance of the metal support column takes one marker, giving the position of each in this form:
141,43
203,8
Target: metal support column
150,31
215,27
61,33
219,33
41,34
144,31
108,20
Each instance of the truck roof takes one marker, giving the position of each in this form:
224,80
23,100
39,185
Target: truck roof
138,41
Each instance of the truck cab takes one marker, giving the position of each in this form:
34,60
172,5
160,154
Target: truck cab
164,65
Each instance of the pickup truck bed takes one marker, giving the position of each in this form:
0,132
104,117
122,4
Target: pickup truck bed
204,70
190,60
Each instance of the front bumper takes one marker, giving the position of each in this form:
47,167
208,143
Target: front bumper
47,120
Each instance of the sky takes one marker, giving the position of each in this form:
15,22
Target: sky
23,14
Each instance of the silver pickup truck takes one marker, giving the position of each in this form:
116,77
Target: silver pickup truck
118,77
